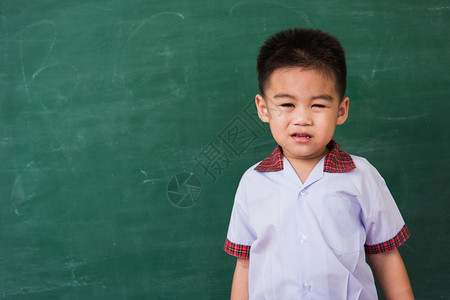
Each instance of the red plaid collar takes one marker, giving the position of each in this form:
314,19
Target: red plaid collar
336,161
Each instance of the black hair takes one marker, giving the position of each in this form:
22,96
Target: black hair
302,47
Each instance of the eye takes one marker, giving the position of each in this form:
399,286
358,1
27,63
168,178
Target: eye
318,106
287,105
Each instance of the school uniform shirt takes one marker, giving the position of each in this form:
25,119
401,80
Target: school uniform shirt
309,240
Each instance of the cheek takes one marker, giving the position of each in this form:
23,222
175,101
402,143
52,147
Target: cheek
328,119
277,117
326,123
277,129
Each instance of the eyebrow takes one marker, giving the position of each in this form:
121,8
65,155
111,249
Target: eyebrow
323,96
289,96
283,95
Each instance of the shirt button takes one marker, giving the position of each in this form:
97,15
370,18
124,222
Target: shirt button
303,239
303,193
307,287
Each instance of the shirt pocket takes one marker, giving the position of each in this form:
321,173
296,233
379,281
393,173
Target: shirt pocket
343,230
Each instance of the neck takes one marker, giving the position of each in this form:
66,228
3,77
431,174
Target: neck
304,167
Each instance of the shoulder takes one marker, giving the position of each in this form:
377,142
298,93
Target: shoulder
255,182
363,166
366,175
361,162
252,174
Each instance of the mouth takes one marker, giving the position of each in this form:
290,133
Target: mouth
301,137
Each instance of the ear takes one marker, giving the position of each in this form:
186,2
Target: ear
261,106
343,111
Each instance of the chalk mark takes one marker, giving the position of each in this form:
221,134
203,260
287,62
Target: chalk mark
152,17
404,118
70,92
439,8
47,55
17,194
43,64
377,59
135,31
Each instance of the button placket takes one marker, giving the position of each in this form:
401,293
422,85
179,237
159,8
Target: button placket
302,237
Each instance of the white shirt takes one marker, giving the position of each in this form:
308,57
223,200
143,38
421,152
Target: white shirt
307,241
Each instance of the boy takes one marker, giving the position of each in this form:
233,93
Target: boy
305,217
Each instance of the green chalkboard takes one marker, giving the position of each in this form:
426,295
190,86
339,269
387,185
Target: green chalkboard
125,127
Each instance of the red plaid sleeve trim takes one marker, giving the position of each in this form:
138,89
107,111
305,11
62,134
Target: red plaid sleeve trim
237,250
393,243
336,161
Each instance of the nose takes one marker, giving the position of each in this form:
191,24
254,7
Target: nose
301,117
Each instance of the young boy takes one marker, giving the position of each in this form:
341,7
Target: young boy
305,217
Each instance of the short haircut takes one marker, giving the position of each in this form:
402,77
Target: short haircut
302,47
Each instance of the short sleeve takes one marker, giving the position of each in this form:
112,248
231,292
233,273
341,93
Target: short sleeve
240,235
389,245
385,227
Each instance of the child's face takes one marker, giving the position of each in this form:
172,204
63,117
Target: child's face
302,108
